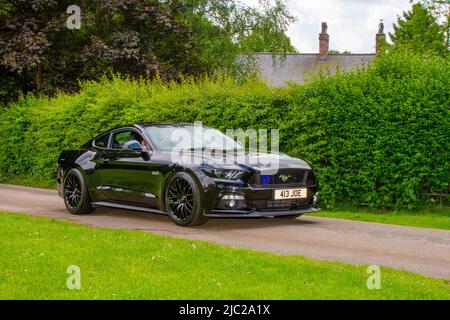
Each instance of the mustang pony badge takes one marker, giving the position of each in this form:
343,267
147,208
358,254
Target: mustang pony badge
285,177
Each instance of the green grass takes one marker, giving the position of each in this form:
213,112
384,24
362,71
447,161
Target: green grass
116,264
28,181
436,219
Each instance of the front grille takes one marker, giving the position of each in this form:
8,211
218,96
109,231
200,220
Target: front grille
298,177
279,204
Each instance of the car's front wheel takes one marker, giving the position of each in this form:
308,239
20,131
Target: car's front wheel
183,201
76,194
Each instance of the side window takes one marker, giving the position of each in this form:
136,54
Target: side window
121,138
102,141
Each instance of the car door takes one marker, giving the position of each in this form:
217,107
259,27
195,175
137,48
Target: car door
129,176
99,146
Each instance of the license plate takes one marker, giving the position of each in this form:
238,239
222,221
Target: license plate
291,194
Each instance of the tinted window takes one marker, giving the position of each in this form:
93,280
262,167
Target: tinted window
102,141
171,138
122,137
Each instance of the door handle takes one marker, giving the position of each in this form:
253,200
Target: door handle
103,160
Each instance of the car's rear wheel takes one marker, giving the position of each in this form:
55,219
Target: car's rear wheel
76,194
183,201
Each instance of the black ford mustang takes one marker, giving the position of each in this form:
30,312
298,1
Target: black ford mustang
150,167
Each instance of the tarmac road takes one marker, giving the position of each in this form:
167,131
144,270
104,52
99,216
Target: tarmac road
420,250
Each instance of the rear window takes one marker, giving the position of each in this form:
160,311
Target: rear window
102,141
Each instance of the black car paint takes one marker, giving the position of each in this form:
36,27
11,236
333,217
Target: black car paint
138,178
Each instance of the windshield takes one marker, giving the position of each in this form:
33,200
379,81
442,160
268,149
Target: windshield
174,138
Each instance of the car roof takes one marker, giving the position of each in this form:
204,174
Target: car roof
143,125
157,124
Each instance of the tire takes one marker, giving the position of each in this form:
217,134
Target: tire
76,194
183,201
294,216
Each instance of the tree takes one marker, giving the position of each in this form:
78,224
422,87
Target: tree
419,32
267,29
131,37
134,38
440,9
223,29
334,51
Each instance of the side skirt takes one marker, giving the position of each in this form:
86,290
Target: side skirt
125,207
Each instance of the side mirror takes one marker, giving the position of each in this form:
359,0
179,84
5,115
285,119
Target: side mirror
146,154
133,145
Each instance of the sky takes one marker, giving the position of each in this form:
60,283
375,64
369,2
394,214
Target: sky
352,24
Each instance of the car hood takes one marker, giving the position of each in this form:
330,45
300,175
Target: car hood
252,160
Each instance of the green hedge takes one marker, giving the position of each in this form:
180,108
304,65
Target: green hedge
377,136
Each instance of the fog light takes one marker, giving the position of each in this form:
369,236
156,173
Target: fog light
232,202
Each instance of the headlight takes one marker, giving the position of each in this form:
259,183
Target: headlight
229,174
226,174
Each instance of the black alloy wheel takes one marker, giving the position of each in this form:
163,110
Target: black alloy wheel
183,201
72,191
76,195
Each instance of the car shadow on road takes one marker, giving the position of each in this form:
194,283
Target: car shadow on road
159,220
259,223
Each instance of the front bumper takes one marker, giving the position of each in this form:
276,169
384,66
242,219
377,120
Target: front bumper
259,214
256,200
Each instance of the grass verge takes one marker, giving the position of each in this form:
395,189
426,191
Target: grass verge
117,264
28,181
436,219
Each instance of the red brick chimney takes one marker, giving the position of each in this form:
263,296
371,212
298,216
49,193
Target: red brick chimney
380,38
324,42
